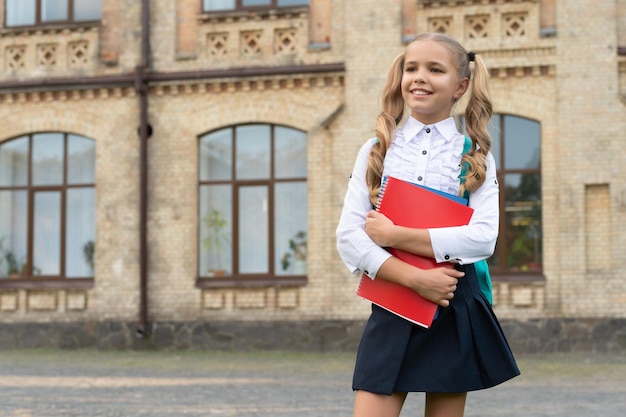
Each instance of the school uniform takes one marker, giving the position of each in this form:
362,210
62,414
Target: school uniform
465,348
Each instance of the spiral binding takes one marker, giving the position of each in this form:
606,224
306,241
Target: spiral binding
381,193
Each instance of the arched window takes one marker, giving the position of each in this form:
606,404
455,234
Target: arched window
47,207
516,145
37,12
252,203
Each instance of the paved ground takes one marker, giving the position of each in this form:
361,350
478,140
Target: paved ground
277,384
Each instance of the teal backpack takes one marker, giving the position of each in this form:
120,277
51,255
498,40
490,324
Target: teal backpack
481,267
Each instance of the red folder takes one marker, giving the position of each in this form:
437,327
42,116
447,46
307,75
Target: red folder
412,205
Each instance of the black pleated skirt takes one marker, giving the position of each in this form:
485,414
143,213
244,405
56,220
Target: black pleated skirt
464,349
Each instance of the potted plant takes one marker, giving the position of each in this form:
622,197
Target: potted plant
89,249
13,266
297,253
1,255
217,239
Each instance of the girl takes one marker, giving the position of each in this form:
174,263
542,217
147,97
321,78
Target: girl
465,348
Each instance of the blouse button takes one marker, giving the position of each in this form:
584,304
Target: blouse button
427,130
446,257
424,152
419,178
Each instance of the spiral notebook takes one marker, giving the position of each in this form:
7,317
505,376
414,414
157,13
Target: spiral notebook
413,205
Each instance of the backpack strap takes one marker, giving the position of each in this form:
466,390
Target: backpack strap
466,148
481,267
467,145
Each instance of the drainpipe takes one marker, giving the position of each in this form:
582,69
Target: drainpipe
140,80
144,133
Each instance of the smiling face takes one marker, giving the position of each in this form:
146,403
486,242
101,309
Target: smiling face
430,81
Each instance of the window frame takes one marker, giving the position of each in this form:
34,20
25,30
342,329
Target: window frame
60,281
248,279
239,7
501,251
39,22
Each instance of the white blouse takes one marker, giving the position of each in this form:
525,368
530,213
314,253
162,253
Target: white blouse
429,155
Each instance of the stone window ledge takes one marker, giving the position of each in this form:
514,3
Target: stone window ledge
231,282
50,28
251,14
46,284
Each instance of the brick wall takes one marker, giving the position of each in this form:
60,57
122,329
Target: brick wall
572,83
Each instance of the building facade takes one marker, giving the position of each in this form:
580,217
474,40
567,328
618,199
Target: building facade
175,170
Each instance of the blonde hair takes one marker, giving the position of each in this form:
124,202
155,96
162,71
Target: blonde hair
477,115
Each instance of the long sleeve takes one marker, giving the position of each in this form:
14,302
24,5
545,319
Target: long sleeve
358,252
429,155
476,241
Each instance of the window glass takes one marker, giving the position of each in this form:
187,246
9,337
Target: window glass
517,152
47,159
14,162
495,134
523,222
290,152
20,12
290,223
253,230
44,215
13,232
215,230
256,2
519,245
215,5
218,5
32,12
47,233
258,217
85,10
81,162
522,143
80,236
282,3
253,151
216,156
54,10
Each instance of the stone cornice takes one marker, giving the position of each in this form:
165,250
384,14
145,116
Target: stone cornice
523,71
508,62
159,84
302,81
518,52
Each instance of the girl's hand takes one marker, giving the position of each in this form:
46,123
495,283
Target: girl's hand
438,285
379,228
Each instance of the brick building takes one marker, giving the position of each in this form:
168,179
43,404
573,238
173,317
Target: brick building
176,169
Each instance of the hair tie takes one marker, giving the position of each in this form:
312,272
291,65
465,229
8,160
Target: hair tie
471,56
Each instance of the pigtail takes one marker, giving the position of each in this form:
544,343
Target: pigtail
477,115
386,124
